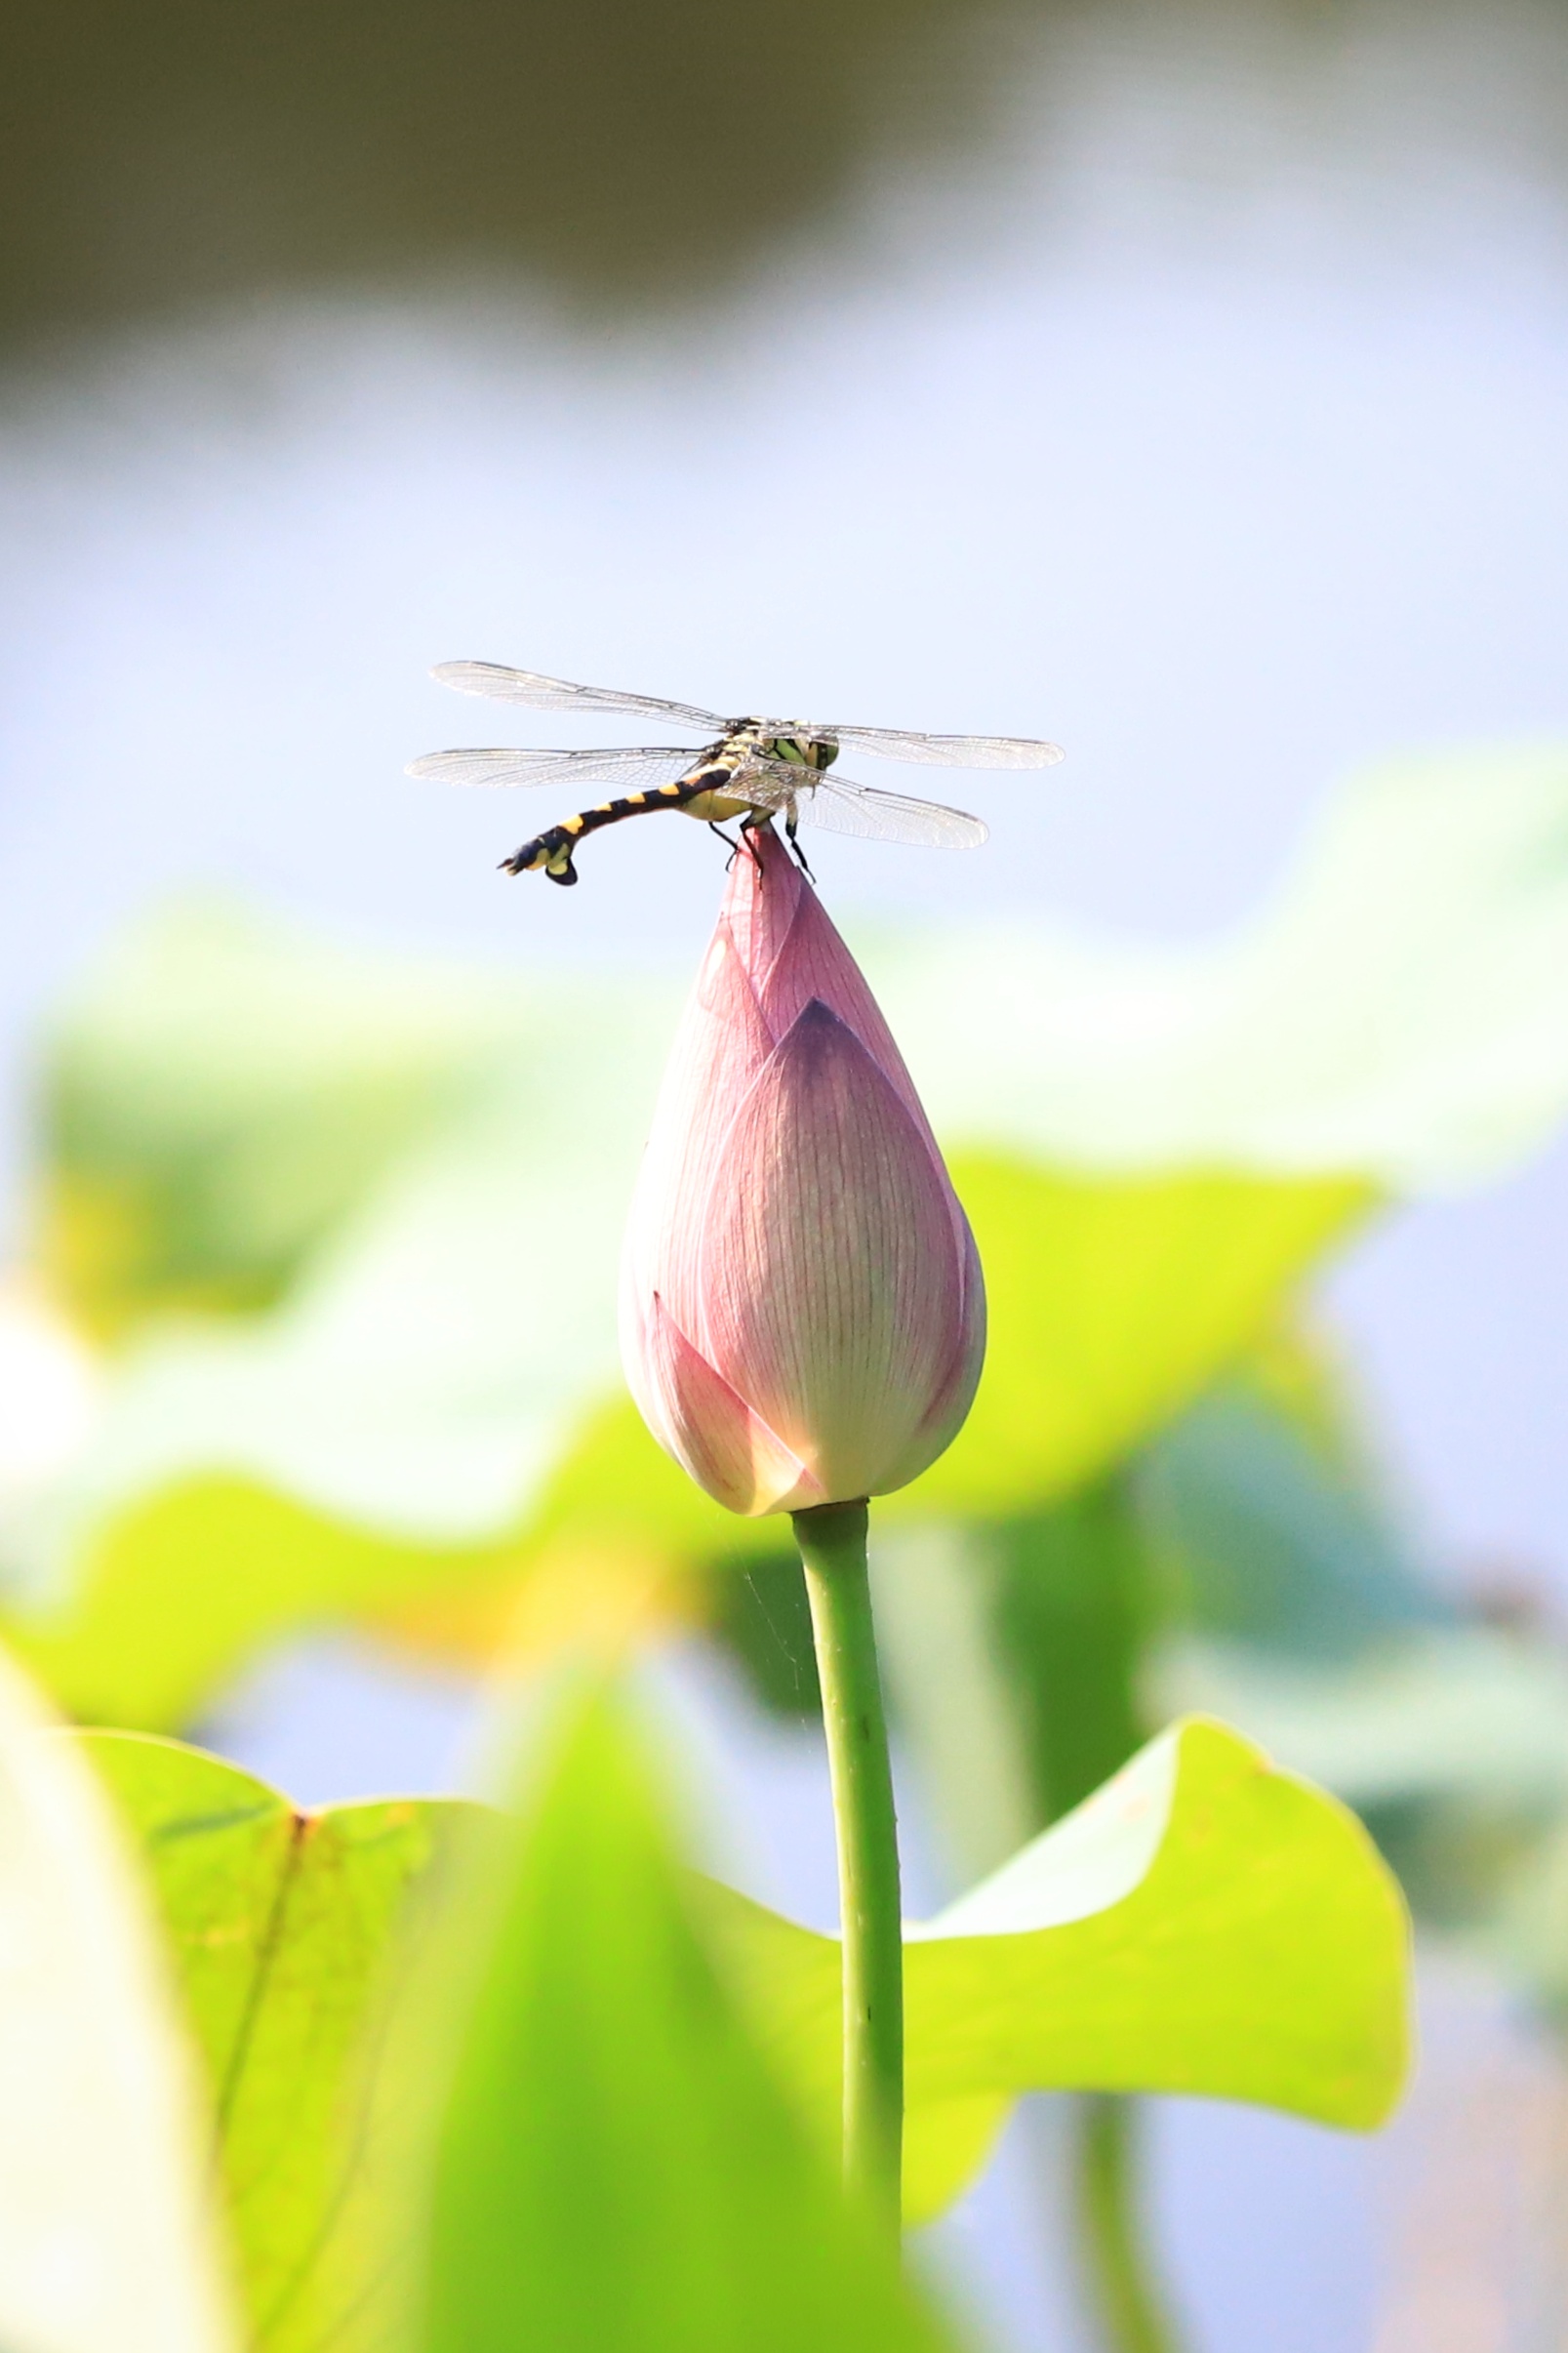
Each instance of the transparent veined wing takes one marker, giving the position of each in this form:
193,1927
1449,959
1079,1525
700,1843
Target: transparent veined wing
949,751
559,693
770,785
630,767
835,805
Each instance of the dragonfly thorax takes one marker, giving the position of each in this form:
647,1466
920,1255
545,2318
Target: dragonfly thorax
798,747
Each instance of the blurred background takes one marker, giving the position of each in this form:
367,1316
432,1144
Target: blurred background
1189,383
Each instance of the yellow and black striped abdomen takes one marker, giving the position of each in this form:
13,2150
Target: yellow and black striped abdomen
552,849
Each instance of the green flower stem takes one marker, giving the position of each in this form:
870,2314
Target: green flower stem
1131,2310
833,1548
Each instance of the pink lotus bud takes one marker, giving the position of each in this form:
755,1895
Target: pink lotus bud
803,1317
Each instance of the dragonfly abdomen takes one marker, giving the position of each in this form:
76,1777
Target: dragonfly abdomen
552,849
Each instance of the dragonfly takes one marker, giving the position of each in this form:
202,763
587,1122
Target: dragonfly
751,769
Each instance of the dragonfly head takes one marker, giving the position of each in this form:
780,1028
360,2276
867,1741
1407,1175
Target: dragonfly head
802,749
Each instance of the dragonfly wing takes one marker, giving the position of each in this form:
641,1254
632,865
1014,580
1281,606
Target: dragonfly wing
768,785
559,693
837,806
630,767
949,751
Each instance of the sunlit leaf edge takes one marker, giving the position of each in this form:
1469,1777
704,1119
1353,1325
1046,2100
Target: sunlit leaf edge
1281,1981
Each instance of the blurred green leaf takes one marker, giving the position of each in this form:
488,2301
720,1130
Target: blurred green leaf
1250,1519
1297,1611
279,1921
182,1588
374,1385
359,1389
1113,1300
762,1616
1204,1924
1452,1742
1071,1610
1272,1540
1468,1711
219,1095
1154,1143
615,2162
1524,1926
1397,1008
616,2166
107,2243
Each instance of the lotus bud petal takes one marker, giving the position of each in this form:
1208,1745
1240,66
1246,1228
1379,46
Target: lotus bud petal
803,1317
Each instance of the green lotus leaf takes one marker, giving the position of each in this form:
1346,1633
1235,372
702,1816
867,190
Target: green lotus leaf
614,2162
106,2241
219,1095
279,1923
1398,1007
1470,1714
1273,1540
1204,1924
389,1402
1112,1302
1156,1143
184,1587
1452,1741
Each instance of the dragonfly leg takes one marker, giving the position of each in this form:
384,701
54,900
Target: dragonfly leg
791,828
733,846
748,826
